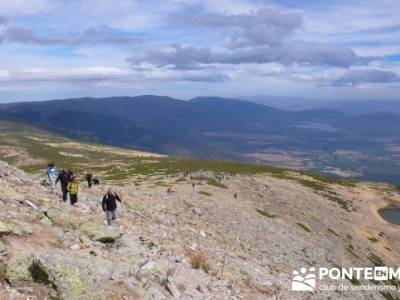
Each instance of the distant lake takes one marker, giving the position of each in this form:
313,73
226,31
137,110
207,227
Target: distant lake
391,215
317,126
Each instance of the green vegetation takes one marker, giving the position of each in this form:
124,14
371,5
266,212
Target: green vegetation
329,180
34,148
376,260
160,183
333,232
354,281
373,239
351,249
315,185
265,213
304,227
205,193
321,185
389,296
213,182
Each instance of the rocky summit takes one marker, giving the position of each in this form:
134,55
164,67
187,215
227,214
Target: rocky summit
228,236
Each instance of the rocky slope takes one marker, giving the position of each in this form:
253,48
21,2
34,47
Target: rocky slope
240,238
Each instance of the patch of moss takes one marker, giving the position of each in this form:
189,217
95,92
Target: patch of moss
376,260
265,213
372,239
351,249
304,227
353,280
333,232
389,296
205,193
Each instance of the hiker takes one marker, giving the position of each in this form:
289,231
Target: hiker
96,181
52,174
64,177
73,188
89,178
109,205
193,186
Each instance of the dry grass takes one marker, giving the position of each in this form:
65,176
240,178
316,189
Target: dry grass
198,260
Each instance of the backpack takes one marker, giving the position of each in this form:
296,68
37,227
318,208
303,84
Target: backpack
52,172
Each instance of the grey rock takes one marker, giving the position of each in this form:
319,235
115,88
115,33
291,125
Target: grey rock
171,287
101,233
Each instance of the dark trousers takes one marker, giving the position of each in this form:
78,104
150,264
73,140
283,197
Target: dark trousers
64,192
73,198
89,182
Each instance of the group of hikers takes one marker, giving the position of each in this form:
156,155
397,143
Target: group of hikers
70,186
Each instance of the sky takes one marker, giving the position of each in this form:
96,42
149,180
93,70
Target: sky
331,49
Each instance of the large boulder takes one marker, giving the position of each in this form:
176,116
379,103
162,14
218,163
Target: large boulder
62,218
68,274
17,271
101,233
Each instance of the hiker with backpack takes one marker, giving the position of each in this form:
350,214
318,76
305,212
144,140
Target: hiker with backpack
109,205
64,177
73,188
52,175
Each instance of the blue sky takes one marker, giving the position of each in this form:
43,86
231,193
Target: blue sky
187,48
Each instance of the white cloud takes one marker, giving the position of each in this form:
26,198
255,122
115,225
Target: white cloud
219,44
12,8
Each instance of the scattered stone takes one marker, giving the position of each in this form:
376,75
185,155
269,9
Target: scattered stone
75,247
197,211
5,228
31,204
171,287
25,290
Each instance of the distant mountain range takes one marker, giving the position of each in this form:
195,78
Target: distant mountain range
353,107
218,128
